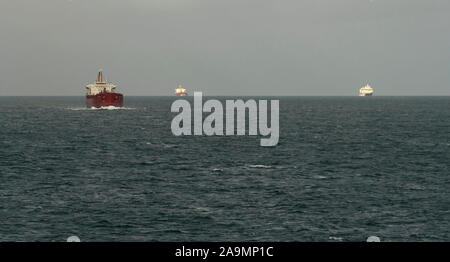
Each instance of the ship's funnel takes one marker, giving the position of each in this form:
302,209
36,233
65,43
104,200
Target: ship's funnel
100,77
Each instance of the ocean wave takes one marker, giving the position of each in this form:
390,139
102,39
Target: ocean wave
164,145
336,238
259,166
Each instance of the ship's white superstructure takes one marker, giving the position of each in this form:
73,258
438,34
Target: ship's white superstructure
366,90
100,86
180,91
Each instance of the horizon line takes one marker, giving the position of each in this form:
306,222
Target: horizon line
446,95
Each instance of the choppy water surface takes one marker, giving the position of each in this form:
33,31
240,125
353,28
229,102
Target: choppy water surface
345,168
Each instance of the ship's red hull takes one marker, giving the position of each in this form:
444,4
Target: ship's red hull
104,99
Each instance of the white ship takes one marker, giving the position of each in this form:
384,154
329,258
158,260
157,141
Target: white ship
366,90
180,91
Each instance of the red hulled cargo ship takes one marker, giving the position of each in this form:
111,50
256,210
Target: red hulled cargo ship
102,94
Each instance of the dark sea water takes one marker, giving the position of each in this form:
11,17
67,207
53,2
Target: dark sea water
346,168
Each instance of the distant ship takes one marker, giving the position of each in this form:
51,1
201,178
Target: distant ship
102,94
180,91
366,90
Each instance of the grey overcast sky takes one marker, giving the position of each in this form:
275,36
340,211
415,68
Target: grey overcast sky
226,47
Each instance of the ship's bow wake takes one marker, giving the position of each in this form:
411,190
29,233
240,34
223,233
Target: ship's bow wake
101,108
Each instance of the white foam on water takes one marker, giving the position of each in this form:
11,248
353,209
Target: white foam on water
73,239
336,238
259,166
163,145
112,108
373,239
78,108
168,145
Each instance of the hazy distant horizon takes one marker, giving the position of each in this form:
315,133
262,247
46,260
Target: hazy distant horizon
234,96
226,48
